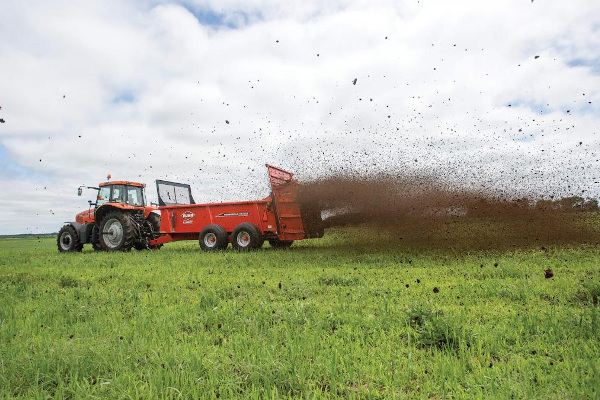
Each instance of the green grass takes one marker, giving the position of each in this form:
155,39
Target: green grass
339,317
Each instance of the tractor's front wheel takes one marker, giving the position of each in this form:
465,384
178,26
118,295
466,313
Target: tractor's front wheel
117,232
68,240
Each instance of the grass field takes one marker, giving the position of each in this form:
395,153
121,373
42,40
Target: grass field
352,315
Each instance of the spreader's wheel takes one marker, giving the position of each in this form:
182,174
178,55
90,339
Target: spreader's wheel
68,240
116,232
246,237
280,244
213,237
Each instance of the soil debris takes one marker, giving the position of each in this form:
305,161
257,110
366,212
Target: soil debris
422,212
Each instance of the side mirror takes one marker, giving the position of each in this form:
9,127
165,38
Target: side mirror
79,191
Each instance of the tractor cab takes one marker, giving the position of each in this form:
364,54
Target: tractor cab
120,194
130,193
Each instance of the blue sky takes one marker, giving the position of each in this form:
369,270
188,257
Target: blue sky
502,96
219,19
593,64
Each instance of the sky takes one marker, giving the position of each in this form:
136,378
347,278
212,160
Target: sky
498,96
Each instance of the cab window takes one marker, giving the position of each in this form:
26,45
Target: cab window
136,196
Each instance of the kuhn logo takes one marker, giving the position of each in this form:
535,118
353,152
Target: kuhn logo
188,214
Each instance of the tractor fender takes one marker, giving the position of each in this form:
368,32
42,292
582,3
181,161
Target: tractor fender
149,210
84,231
103,210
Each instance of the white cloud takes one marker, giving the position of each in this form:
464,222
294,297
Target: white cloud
143,91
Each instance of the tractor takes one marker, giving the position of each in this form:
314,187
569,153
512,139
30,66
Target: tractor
117,221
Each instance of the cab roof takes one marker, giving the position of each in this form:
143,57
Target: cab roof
122,183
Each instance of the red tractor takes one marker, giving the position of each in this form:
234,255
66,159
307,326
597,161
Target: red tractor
119,220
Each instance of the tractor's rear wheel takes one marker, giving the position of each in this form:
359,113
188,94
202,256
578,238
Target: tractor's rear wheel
246,237
96,239
280,244
152,223
68,240
213,237
117,232
154,220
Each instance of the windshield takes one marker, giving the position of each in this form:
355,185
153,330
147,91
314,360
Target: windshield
119,194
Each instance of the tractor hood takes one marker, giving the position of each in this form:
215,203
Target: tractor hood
85,216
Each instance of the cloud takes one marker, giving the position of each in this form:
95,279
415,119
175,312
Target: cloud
207,92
